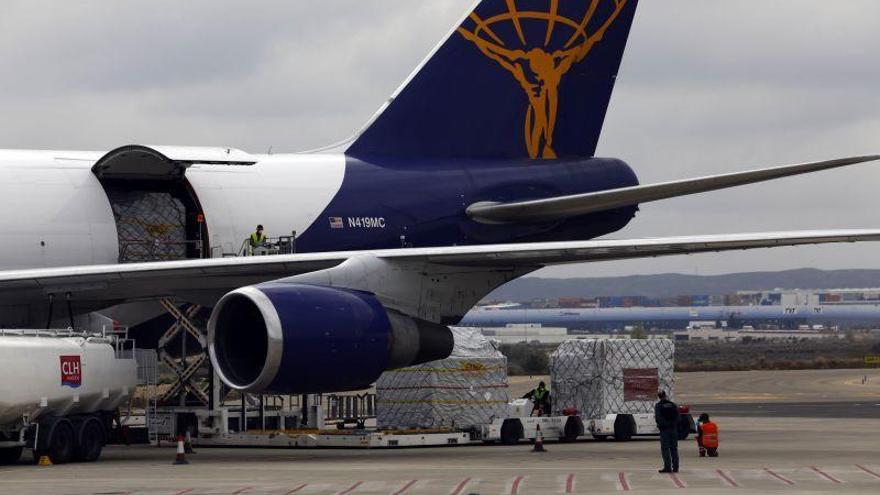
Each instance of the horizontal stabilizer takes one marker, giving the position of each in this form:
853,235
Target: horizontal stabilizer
562,207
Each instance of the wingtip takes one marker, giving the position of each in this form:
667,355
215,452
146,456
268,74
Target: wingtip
867,158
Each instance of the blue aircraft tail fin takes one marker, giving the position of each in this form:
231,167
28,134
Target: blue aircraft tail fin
516,79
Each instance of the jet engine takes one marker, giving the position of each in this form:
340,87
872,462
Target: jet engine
297,338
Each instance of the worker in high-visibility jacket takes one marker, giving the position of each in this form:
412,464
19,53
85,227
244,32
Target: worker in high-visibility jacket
707,436
541,399
257,239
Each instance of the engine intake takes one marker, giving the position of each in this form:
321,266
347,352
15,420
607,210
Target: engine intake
300,338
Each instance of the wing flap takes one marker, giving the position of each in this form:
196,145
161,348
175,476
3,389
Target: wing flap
561,207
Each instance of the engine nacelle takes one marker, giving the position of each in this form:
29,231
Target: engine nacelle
300,338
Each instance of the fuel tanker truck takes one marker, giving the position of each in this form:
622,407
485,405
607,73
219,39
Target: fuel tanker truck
60,391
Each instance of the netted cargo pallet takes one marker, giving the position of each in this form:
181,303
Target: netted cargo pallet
467,389
151,226
622,376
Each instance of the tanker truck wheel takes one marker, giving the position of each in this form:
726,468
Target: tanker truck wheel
10,455
60,442
90,440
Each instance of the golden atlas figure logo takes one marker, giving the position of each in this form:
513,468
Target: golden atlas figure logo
536,66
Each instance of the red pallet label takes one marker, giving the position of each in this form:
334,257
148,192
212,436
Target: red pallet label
640,384
71,371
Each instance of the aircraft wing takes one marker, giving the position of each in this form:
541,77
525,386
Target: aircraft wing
205,280
561,207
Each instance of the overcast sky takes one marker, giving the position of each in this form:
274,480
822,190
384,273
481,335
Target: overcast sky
706,87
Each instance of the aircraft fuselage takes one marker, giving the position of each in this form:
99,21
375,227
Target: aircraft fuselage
59,213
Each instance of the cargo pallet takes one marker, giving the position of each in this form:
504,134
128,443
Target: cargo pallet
508,431
364,439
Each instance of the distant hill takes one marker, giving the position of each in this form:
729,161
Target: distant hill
528,288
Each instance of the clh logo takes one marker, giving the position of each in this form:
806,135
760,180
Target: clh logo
71,371
539,62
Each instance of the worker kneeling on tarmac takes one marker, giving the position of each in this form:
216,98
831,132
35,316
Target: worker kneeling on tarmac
707,436
540,399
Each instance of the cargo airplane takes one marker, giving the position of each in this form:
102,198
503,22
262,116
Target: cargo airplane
478,170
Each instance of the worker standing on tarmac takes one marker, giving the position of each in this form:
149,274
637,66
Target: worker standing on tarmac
541,400
257,239
666,416
707,436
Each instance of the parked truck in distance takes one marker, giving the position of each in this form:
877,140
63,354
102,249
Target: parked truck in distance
61,391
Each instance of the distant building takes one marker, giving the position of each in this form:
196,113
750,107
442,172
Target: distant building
807,297
615,320
528,332
720,334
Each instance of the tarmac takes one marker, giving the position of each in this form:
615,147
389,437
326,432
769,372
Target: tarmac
790,448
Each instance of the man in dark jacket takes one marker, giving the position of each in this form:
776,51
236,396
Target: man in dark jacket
666,416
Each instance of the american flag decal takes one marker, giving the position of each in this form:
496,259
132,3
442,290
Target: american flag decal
336,222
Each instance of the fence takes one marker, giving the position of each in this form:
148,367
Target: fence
350,407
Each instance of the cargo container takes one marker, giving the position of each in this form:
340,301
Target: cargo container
613,384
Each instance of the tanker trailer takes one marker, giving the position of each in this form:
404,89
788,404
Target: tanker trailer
60,391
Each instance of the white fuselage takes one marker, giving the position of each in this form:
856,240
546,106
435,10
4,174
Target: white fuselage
55,211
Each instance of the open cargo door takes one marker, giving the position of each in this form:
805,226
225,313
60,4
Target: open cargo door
158,216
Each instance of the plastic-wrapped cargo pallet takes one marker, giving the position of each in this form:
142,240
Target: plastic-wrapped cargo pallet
150,225
466,389
622,376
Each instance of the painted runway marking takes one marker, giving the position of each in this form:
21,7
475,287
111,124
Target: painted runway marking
569,483
514,488
460,487
778,476
872,473
727,478
351,488
300,487
405,487
825,475
242,490
182,492
621,481
676,480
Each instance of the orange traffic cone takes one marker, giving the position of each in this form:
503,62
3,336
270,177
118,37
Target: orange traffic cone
539,440
187,444
181,456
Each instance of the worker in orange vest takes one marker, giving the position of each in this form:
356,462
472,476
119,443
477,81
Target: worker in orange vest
707,436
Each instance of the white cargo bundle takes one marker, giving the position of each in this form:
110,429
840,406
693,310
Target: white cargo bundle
467,389
617,376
